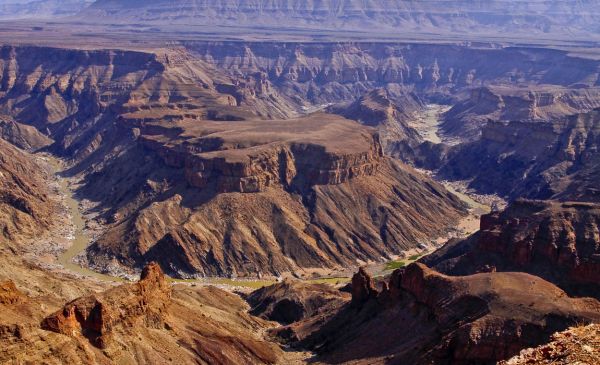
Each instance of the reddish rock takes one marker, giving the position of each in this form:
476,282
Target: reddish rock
428,317
96,316
363,287
558,241
9,294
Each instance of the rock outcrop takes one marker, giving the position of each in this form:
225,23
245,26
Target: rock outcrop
152,322
577,345
556,159
363,287
292,301
96,317
9,294
264,197
422,316
466,119
556,241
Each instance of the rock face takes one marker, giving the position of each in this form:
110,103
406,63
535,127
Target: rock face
96,317
577,345
250,157
466,119
149,322
324,73
422,316
292,301
438,17
376,109
25,208
242,198
9,294
555,159
556,241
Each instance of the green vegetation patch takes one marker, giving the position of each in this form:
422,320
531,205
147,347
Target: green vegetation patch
393,265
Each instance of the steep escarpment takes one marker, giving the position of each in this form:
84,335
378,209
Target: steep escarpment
556,241
251,156
243,198
421,316
435,17
322,73
150,321
25,207
466,119
554,159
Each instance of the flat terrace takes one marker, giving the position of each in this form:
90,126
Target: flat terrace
240,139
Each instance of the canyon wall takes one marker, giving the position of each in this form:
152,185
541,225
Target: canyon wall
540,17
556,241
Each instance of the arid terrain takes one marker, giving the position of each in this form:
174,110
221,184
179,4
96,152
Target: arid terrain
283,182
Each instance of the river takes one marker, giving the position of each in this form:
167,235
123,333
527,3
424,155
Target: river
78,238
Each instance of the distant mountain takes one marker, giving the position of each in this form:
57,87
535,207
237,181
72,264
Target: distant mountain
538,16
21,9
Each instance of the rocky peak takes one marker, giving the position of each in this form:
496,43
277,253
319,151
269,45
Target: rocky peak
95,317
363,287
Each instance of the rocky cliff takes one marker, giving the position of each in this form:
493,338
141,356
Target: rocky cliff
324,73
97,317
556,241
534,159
252,156
150,321
241,198
421,316
467,118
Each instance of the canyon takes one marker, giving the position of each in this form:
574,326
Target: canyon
228,182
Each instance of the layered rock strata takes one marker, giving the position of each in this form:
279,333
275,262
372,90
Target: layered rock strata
421,316
556,241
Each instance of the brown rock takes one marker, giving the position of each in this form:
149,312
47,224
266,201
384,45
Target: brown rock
363,287
95,317
557,241
9,294
428,317
291,301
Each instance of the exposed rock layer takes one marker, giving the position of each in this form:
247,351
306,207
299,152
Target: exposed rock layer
241,198
422,316
147,322
556,241
291,301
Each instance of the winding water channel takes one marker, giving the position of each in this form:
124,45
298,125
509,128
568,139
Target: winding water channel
79,239
428,127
